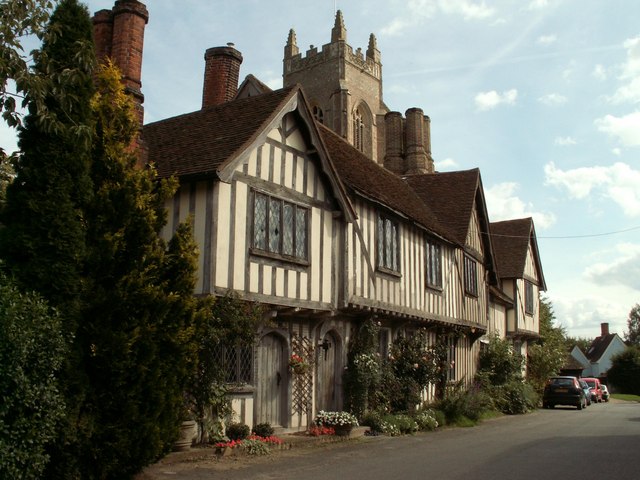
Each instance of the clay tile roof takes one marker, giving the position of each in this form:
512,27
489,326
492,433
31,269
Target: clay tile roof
451,196
598,347
199,143
511,243
371,180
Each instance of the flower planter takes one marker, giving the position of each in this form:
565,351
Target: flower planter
343,430
187,431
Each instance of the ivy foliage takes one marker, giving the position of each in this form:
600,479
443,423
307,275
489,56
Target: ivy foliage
32,349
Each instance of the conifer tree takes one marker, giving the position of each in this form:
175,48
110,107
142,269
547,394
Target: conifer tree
43,242
139,303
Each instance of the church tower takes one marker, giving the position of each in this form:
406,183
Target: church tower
344,88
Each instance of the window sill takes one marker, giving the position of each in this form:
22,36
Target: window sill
388,271
279,257
434,288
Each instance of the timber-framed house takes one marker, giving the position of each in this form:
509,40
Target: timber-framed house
324,207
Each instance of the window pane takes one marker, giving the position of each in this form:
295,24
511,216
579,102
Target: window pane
387,243
394,247
287,229
301,233
380,241
274,225
260,222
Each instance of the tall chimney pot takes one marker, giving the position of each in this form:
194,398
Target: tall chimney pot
221,74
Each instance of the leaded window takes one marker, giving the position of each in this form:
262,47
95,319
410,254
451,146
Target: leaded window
388,252
470,276
236,363
528,297
434,264
279,227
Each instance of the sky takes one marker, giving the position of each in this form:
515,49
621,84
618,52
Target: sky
542,95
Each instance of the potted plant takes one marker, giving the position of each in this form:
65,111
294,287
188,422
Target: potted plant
298,365
341,422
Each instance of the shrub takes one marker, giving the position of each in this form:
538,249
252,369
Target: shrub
515,397
373,420
459,403
238,431
624,373
255,447
263,430
426,420
31,352
440,417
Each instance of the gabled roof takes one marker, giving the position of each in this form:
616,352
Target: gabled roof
599,346
511,239
201,142
452,196
251,87
210,142
367,178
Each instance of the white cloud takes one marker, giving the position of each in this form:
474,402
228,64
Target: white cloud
553,99
565,141
582,314
546,39
468,9
490,100
622,270
599,72
618,182
568,71
626,129
503,204
446,164
629,91
538,4
616,151
419,10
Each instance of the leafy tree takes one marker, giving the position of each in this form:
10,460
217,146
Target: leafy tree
624,373
583,343
32,348
547,356
498,363
21,84
632,335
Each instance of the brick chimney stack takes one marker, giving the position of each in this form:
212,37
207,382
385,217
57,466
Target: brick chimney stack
119,34
416,156
221,74
604,329
393,159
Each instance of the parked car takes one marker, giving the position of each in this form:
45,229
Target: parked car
596,389
564,390
605,393
587,390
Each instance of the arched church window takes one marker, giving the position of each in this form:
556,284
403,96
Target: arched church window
318,114
358,130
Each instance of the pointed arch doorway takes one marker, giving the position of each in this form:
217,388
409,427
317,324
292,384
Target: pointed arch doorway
272,381
329,373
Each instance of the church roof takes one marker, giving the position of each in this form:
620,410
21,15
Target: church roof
201,142
371,180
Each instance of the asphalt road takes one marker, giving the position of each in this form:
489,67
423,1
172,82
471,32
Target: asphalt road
601,442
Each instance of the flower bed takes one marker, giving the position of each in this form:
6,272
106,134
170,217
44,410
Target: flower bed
252,445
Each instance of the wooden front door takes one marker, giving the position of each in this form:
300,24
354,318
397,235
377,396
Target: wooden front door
271,382
327,361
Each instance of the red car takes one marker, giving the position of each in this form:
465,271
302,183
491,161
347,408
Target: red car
595,388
